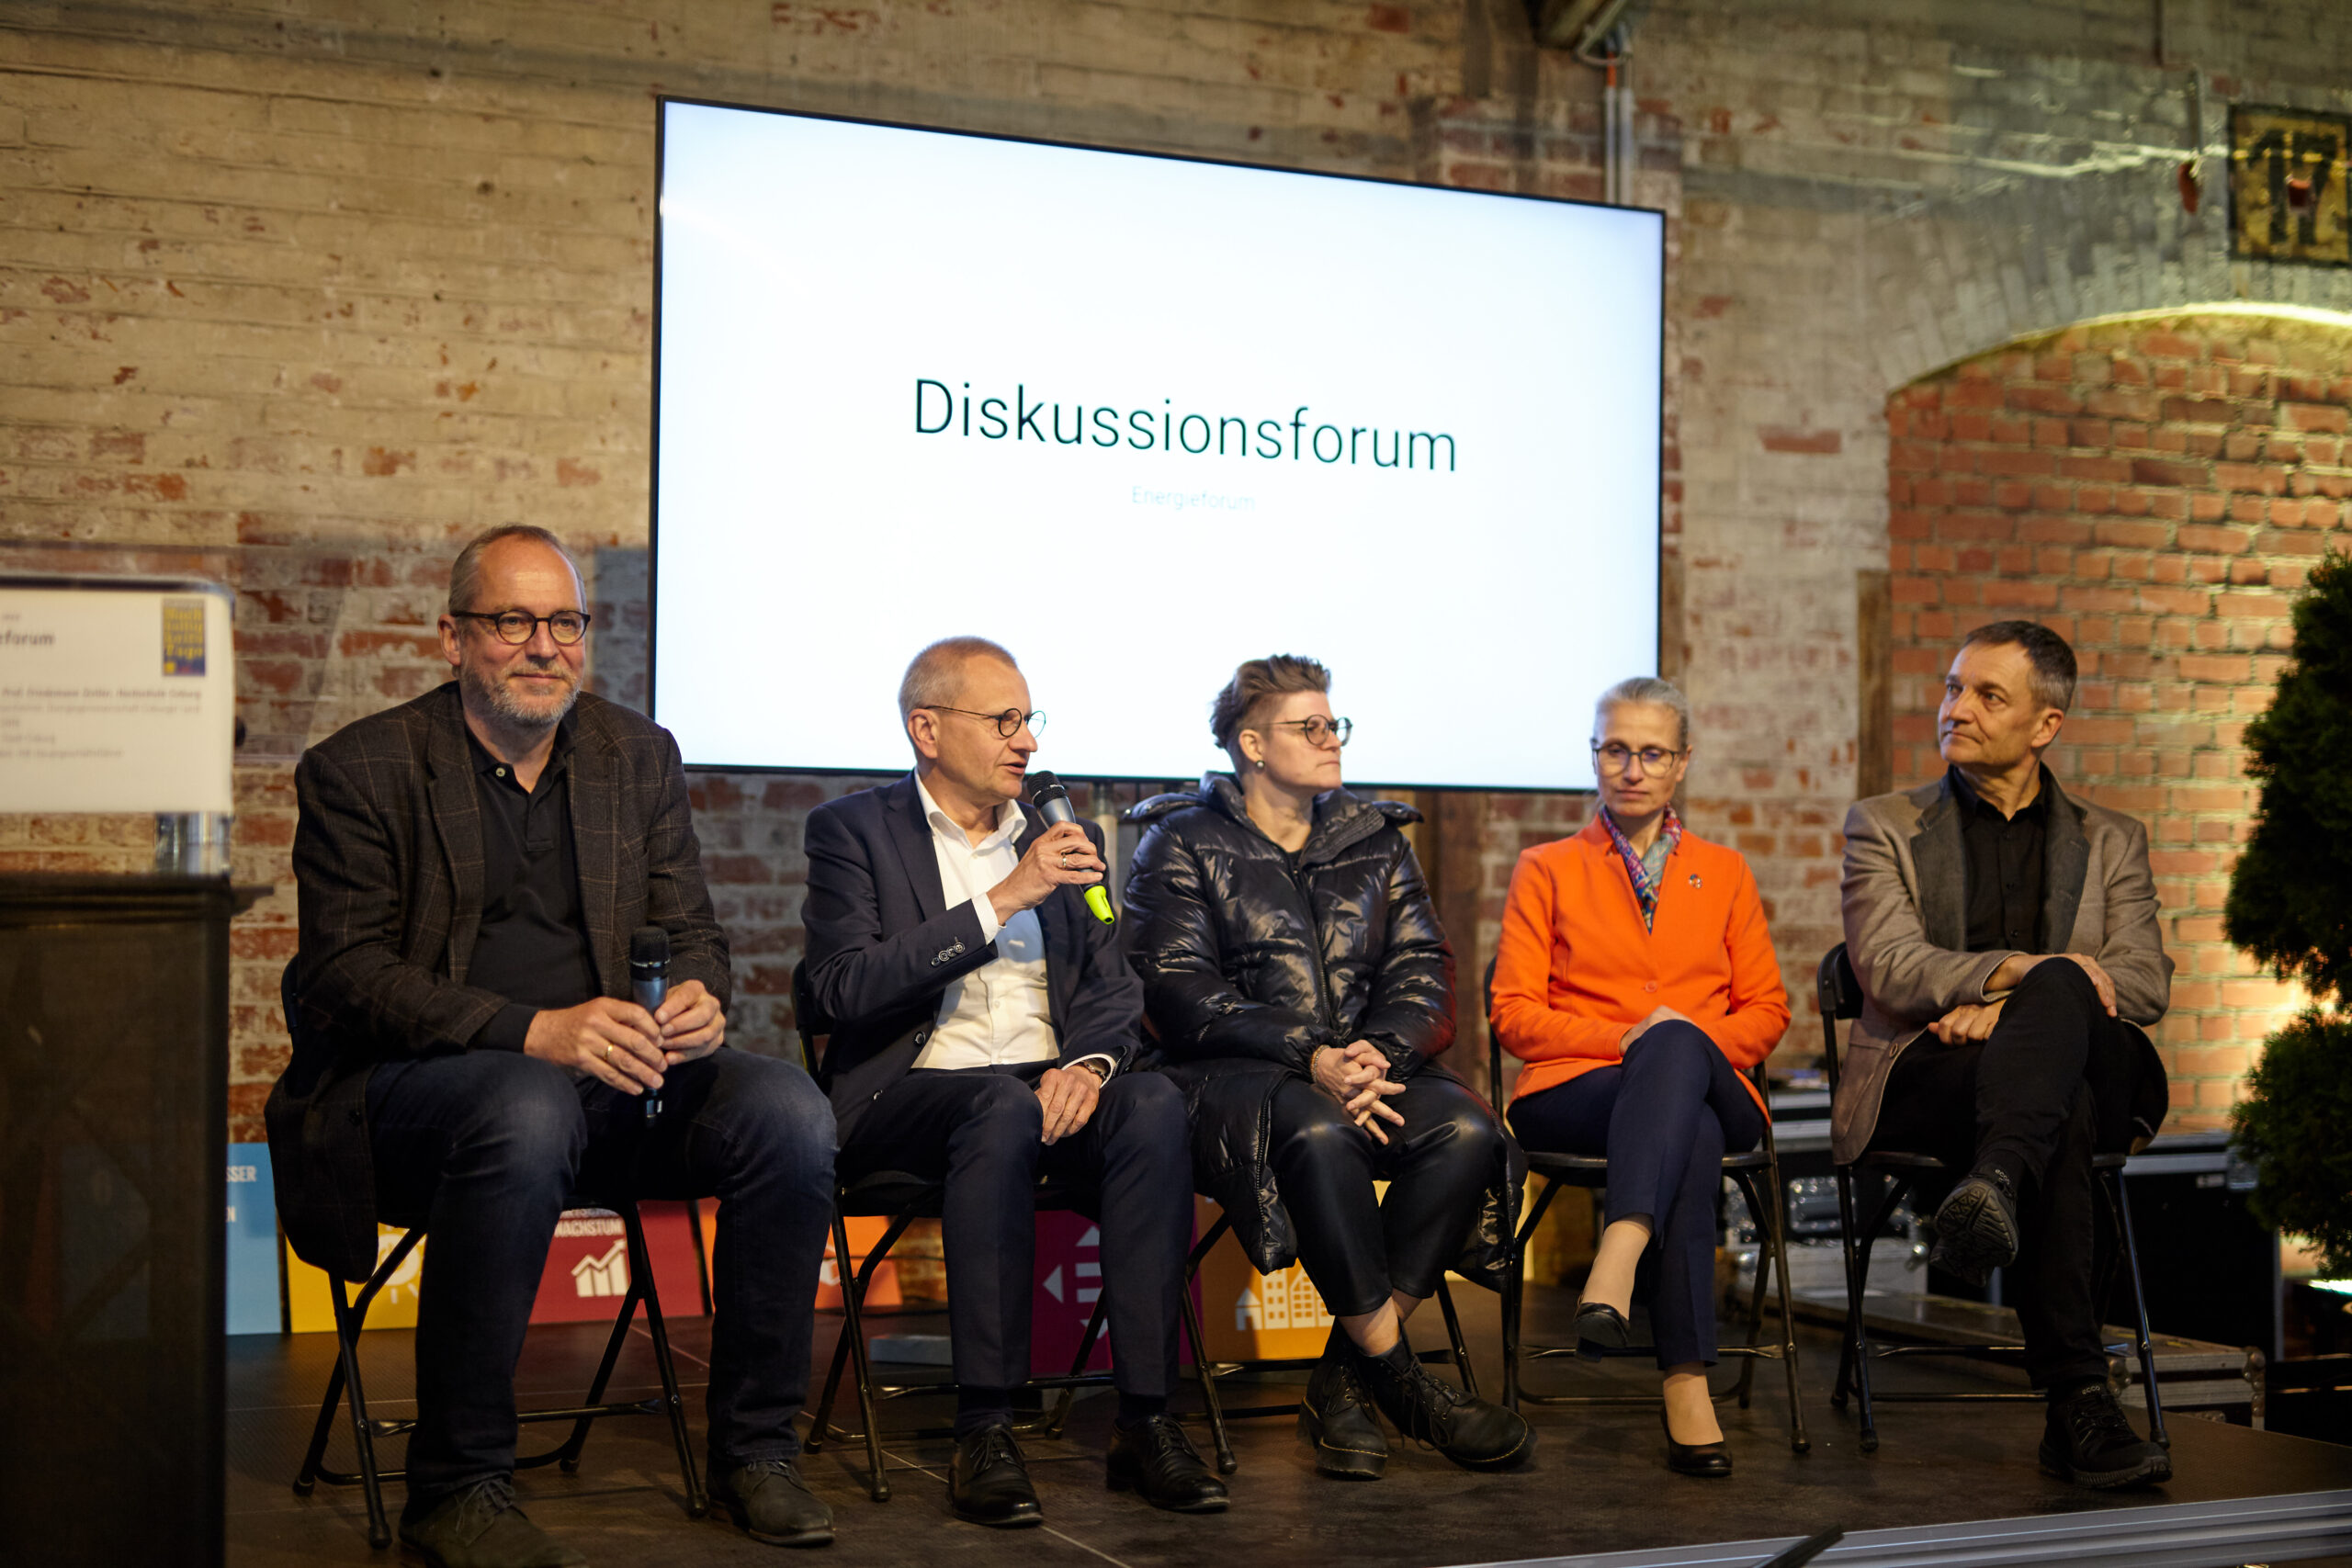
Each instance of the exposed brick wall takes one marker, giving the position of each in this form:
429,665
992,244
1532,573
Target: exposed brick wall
301,294
2156,490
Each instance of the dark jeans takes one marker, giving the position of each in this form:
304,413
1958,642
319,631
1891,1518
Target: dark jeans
486,1149
982,1131
1665,1119
2051,1086
1437,1165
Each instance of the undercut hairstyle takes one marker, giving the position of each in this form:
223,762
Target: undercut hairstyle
936,677
2053,660
1256,684
1653,691
465,572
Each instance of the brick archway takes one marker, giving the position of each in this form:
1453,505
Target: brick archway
2155,486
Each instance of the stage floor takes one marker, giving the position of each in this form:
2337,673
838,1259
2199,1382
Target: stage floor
1598,1483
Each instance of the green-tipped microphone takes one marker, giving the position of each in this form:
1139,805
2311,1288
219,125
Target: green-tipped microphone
1052,801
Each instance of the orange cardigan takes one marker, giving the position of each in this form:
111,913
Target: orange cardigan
1575,969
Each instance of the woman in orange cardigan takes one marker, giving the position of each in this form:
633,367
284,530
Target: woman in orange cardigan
1635,979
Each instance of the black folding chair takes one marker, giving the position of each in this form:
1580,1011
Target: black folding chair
1757,1174
900,1198
1905,1173
351,1316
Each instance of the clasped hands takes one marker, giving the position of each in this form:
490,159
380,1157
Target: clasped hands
1356,1075
623,1046
1972,1021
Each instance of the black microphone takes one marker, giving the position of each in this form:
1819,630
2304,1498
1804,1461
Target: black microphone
649,982
1052,801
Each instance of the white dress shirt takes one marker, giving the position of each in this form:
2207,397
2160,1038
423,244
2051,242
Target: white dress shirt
1000,1013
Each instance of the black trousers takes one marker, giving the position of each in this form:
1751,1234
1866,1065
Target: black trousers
486,1148
1437,1165
2052,1085
1665,1118
981,1130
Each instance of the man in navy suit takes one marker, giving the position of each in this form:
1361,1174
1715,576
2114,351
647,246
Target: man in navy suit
982,1025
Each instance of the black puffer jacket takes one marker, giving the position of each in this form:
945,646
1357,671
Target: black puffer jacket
1253,958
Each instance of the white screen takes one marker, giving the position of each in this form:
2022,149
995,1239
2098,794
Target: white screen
1450,493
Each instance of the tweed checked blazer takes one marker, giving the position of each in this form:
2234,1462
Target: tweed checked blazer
1905,906
388,868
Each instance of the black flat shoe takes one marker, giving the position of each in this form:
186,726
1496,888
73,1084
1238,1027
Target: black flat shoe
1602,1326
988,1485
1709,1460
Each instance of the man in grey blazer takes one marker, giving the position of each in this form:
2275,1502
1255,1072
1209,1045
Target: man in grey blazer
470,867
2006,941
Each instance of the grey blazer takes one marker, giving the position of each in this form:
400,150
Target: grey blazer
1906,921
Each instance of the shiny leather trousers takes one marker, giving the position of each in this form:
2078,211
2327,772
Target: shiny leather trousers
1357,1248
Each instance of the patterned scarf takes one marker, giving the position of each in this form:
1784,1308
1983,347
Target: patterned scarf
1646,872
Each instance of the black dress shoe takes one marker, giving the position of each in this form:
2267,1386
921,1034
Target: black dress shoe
1471,1432
1710,1461
1156,1460
988,1485
767,1499
2087,1440
1602,1326
1339,1419
1976,1227
479,1527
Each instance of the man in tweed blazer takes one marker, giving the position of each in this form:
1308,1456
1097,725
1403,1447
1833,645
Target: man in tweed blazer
470,867
2006,941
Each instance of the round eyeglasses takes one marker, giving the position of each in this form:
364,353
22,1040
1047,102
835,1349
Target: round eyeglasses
1319,731
518,626
1008,723
1614,757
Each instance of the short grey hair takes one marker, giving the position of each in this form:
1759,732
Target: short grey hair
2051,660
1648,689
465,572
936,676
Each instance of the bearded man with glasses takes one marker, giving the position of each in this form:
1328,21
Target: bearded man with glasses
982,1023
1635,978
470,867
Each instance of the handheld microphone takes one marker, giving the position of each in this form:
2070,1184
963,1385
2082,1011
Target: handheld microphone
1052,801
649,982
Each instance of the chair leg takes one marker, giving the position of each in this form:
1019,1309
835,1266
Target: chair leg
348,1322
1453,1334
2121,1199
877,1482
308,1479
1226,1463
568,1456
1856,1357
1514,1289
821,1425
1777,1256
1747,1385
642,1283
1069,1396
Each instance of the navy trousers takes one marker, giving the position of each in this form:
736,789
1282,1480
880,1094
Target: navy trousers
981,1130
1665,1118
487,1148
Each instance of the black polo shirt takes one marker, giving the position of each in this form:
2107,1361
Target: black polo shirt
2004,857
532,947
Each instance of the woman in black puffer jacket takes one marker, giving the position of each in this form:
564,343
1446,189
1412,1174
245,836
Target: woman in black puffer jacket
1299,985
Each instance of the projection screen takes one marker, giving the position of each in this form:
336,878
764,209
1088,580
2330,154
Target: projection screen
1139,418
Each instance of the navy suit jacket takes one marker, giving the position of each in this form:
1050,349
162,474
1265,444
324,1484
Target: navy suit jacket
883,946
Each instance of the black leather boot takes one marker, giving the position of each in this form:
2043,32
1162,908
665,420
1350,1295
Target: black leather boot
2087,1440
1339,1417
1471,1432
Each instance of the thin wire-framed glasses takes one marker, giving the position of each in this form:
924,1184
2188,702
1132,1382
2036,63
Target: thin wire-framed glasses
1320,730
567,626
1008,723
1612,756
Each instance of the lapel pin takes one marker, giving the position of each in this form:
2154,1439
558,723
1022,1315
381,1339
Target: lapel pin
1694,880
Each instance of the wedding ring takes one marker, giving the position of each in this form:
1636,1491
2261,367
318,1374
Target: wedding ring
608,1051
1065,860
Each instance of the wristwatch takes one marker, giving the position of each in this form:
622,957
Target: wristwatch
1100,1068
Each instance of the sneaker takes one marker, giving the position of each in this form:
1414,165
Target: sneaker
2087,1439
479,1527
1976,1227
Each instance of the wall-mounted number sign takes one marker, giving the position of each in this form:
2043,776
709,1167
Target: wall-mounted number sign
2287,170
